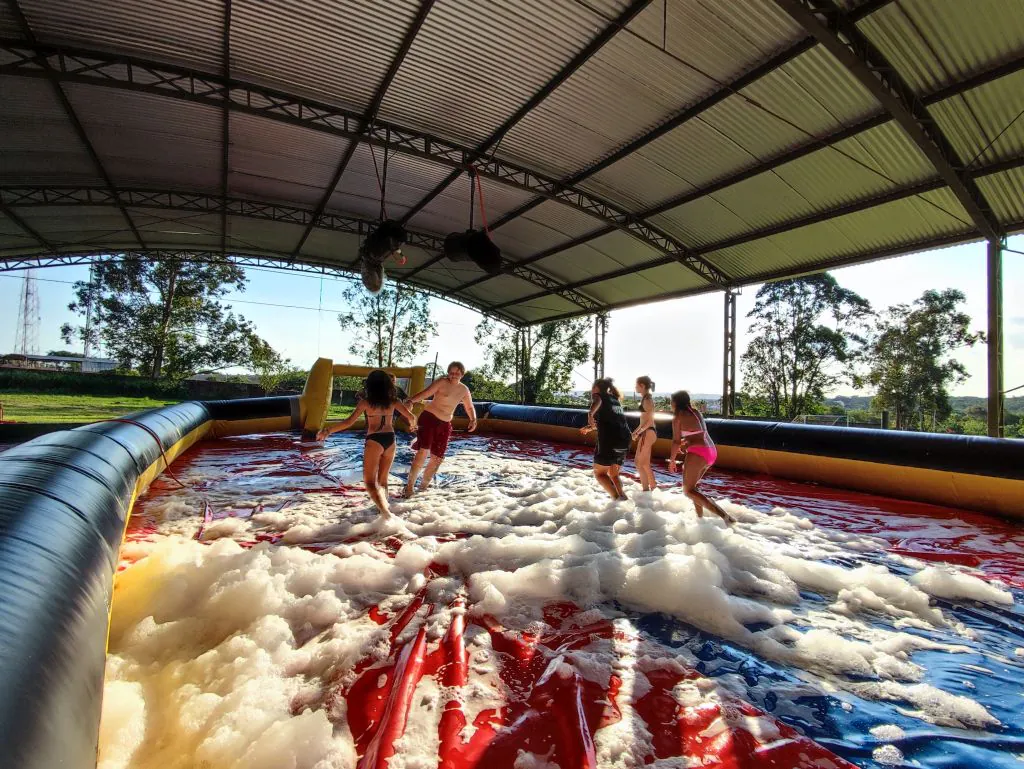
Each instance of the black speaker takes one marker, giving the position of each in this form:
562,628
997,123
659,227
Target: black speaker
474,246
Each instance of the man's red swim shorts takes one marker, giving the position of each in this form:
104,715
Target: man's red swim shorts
432,434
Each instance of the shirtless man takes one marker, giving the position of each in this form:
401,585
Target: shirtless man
435,423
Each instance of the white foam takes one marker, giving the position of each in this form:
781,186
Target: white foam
888,755
225,653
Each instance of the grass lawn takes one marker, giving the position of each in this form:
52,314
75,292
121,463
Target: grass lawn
40,407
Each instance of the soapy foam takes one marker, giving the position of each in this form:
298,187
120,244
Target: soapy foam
222,649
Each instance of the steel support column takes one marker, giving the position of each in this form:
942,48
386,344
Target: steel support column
600,337
729,356
995,338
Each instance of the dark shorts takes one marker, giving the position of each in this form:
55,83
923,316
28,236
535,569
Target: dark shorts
432,435
611,451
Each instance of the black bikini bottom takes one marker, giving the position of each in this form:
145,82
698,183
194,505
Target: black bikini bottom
386,440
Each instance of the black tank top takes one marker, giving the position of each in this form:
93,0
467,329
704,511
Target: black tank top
610,418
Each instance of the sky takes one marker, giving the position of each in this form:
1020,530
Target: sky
677,343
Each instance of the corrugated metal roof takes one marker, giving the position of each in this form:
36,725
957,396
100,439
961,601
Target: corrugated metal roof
337,52
148,140
8,24
1005,192
462,76
475,64
627,87
37,144
188,32
937,42
985,123
734,36
330,246
279,162
669,278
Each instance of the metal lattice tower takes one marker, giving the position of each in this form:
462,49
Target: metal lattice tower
26,338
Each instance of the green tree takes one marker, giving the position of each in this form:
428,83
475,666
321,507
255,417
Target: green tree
391,328
807,333
270,368
65,354
485,388
911,357
553,352
164,317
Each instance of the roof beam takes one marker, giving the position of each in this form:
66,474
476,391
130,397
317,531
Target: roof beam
51,76
172,81
214,204
899,193
574,64
838,33
369,114
691,112
955,89
275,262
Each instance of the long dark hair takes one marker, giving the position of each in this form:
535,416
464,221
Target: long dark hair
380,389
647,382
605,386
681,401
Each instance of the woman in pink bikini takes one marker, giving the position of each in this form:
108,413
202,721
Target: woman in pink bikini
690,434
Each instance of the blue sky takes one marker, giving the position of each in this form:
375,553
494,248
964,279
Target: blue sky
678,343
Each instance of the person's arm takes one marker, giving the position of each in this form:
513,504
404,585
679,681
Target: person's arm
333,427
591,421
677,430
408,415
467,403
424,394
646,418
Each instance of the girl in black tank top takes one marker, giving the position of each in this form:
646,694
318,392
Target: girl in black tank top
607,418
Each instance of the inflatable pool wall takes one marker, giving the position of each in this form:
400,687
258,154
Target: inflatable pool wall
964,471
65,500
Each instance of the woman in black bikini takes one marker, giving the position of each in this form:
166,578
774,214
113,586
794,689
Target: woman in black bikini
379,405
645,435
613,436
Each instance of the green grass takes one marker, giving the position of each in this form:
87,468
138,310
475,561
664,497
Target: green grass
39,407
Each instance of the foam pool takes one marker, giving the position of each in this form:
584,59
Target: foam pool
513,616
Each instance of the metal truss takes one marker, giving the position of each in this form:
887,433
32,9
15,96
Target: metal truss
840,36
214,204
8,264
132,74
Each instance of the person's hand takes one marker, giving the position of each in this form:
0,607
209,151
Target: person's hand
587,430
472,426
413,425
324,432
407,403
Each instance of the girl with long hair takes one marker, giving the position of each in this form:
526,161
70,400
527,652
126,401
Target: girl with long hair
613,436
645,434
379,402
690,434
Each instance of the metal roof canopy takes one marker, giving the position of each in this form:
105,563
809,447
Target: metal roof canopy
629,151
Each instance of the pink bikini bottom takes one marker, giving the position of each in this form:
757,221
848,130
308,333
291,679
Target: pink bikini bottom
708,453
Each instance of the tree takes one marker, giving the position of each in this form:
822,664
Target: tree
65,354
554,350
269,367
391,328
910,357
795,355
163,317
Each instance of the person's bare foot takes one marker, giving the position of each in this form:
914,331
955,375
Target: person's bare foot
407,492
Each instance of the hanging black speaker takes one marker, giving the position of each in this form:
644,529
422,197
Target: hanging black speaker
474,246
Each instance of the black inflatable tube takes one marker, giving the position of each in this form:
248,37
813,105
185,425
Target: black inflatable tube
969,454
64,500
